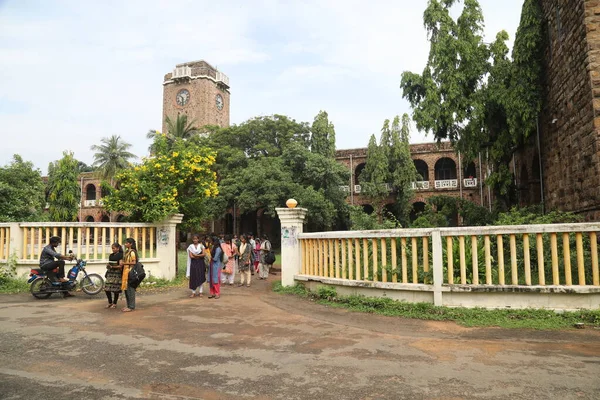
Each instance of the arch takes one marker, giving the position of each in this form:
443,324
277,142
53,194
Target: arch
120,218
445,168
105,218
357,171
367,208
470,171
89,218
422,169
90,192
417,208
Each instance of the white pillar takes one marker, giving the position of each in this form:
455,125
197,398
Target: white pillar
292,220
438,267
15,246
166,246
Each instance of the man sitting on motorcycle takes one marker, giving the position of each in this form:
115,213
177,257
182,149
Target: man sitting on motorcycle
48,264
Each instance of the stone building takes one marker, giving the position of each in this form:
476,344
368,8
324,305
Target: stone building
90,208
563,171
442,171
198,90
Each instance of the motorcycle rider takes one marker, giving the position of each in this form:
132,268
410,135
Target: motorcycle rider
48,263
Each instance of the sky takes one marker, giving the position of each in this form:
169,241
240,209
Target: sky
75,71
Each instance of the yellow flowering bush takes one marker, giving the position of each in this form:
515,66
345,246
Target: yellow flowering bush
177,178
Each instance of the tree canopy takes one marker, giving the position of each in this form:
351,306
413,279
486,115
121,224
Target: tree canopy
112,156
64,193
21,191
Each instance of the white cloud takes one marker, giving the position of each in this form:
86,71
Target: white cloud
78,71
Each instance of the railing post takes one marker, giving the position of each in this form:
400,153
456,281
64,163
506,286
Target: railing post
15,245
438,266
166,250
292,220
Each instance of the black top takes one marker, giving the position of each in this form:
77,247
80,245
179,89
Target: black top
48,255
113,258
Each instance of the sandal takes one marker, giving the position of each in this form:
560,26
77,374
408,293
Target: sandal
199,295
211,297
127,309
191,296
217,297
109,305
113,306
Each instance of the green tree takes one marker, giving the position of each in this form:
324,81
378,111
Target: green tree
64,193
322,140
112,156
375,175
180,128
177,179
21,191
401,169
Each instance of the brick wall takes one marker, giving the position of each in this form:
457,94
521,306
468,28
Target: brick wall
430,154
569,123
202,105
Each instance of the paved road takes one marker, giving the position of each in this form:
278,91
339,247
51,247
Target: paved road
254,344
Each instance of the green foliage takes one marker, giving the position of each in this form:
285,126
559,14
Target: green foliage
177,129
374,176
530,318
64,193
533,216
322,139
9,282
178,179
441,210
111,156
472,93
361,221
267,160
21,191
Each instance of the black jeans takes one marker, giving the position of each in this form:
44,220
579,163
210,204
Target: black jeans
49,268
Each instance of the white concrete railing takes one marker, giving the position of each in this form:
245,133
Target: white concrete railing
547,266
470,182
446,184
420,185
92,242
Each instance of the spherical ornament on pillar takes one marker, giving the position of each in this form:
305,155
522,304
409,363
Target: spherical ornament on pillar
291,203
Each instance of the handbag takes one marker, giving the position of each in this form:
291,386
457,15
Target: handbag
136,275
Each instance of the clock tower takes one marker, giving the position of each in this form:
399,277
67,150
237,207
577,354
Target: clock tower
198,90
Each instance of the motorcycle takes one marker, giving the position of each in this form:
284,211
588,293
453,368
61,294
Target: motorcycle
42,287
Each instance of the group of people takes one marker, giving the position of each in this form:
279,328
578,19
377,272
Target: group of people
217,260
117,270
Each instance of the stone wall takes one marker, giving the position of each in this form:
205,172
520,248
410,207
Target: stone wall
569,123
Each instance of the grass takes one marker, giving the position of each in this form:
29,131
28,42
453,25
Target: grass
13,285
471,317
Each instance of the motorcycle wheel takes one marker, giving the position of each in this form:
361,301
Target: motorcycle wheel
38,287
92,284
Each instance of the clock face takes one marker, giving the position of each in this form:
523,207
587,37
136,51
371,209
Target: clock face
219,100
182,97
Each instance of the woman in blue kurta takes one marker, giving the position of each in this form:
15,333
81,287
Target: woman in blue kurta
214,272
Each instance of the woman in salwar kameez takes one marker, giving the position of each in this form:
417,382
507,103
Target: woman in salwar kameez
214,272
196,269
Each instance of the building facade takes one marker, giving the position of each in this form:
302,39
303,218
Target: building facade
198,90
442,171
562,170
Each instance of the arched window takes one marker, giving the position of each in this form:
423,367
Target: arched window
120,218
90,192
105,218
89,218
357,171
368,208
445,168
470,171
422,170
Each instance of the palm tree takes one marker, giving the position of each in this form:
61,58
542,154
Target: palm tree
180,128
111,156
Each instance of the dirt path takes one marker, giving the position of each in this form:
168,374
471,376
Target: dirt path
254,344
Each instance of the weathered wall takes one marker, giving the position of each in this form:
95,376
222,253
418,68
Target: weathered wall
570,124
202,106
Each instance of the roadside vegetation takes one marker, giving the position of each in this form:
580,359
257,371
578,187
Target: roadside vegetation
470,317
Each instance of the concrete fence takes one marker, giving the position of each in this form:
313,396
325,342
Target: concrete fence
539,266
91,241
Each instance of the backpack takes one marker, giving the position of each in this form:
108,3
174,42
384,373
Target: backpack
136,275
270,257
